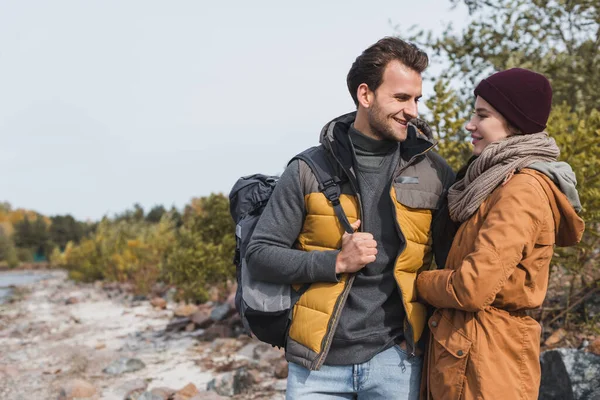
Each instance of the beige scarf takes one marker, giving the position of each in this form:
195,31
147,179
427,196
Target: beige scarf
497,162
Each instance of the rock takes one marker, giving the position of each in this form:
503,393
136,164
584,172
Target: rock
555,383
100,346
190,390
248,350
279,385
132,390
556,337
77,389
217,331
190,327
72,300
123,365
201,318
594,347
281,369
159,302
207,396
177,324
151,396
231,383
164,392
267,352
220,312
185,310
570,374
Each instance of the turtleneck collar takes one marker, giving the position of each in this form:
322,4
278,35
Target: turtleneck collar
364,144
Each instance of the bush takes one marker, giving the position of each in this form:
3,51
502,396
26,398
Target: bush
202,256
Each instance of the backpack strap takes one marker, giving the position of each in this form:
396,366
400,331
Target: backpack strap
321,165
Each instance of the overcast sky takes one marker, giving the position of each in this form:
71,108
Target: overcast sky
107,103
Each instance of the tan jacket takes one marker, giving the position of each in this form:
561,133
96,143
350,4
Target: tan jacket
482,345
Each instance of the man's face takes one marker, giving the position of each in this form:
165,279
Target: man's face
395,102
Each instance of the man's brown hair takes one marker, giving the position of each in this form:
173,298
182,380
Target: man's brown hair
369,66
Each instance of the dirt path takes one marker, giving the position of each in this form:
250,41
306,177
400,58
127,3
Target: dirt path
56,331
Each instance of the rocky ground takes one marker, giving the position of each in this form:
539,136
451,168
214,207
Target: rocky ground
61,340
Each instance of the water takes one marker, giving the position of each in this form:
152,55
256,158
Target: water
16,278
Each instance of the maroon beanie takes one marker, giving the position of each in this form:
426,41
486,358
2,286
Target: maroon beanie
523,97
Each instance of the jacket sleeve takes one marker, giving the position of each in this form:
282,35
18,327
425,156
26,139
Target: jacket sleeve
511,224
270,255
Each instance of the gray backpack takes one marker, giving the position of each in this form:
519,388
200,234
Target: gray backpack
265,308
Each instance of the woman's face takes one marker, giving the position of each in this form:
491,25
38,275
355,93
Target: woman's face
486,126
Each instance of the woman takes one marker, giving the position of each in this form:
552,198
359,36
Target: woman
513,204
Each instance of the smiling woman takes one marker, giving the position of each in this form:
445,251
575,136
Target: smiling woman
513,203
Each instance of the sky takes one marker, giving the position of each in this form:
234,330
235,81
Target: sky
107,103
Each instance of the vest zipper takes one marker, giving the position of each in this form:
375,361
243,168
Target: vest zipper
341,300
410,343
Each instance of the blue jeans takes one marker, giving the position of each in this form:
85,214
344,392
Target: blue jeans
388,375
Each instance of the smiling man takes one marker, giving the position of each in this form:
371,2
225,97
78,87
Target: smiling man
355,333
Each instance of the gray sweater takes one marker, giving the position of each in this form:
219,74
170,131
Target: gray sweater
372,318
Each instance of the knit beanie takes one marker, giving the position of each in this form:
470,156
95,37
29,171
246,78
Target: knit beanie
523,97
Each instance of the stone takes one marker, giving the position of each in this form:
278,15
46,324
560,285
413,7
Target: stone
177,324
231,383
77,389
594,347
267,352
279,385
220,312
164,392
159,302
123,365
187,392
185,310
555,383
131,390
207,396
151,396
569,374
72,300
281,369
202,318
556,337
217,331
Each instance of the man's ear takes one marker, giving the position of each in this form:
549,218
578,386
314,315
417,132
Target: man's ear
364,95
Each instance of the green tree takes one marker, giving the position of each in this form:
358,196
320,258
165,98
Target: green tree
155,214
558,38
64,229
8,252
33,237
203,253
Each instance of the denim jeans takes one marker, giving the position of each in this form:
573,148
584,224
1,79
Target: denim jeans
388,375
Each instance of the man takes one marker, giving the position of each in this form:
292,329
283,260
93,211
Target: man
355,331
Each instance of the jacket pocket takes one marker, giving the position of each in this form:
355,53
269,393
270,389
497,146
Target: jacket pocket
448,358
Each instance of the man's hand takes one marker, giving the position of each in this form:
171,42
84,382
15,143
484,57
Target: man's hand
358,250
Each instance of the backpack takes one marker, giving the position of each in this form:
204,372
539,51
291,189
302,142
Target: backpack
265,308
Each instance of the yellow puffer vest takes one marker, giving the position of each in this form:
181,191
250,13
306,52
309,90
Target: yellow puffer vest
417,186
316,314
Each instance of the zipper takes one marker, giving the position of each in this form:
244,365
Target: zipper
410,343
333,321
341,300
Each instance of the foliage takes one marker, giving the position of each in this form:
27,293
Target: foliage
203,252
560,39
119,251
8,252
33,235
64,229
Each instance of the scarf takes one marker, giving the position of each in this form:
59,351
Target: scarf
496,164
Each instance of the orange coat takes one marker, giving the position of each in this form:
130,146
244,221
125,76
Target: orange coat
482,344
